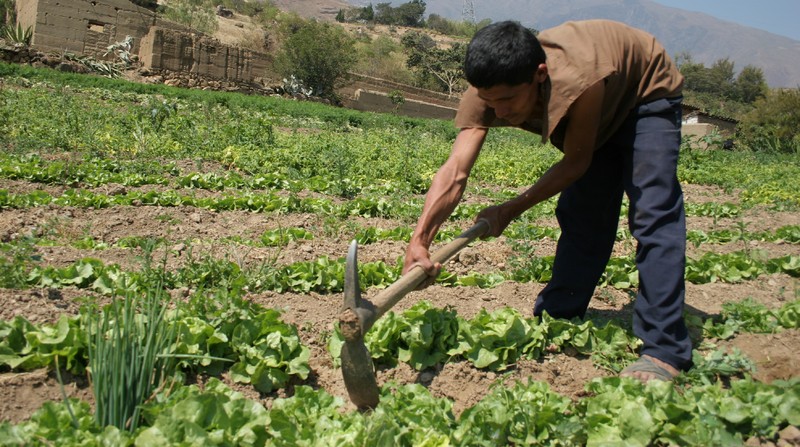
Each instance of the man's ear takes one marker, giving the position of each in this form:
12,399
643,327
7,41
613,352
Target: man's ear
541,73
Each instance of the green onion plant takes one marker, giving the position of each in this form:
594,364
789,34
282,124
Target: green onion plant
129,361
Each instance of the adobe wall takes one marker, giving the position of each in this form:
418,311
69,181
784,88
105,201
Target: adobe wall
170,50
84,26
725,127
88,27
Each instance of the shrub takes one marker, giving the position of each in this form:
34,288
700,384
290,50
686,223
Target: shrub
318,54
774,123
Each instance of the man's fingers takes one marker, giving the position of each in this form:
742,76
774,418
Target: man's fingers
432,271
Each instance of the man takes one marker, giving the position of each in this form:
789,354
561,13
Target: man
608,96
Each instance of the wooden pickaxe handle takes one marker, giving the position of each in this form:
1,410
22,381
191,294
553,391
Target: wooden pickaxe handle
388,297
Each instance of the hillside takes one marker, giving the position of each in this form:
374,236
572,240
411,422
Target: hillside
706,38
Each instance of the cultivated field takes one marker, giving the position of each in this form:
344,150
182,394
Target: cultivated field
233,214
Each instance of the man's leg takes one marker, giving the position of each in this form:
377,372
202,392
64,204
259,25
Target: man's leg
657,221
588,213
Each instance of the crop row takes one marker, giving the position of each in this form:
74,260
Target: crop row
696,412
219,328
618,412
119,121
366,235
97,172
374,205
326,275
101,171
224,331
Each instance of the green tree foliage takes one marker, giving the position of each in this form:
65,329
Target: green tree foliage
364,14
716,80
317,53
439,67
382,57
750,84
454,28
774,123
721,81
410,14
198,15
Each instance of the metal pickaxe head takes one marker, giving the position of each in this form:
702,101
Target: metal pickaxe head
357,368
360,314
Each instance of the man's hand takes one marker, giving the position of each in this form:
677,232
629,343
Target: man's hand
417,255
498,218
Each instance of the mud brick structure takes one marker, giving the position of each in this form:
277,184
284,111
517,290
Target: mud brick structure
88,27
84,26
177,51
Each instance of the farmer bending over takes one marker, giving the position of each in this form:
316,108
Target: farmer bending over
609,97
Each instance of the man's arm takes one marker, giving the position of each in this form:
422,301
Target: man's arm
579,145
444,194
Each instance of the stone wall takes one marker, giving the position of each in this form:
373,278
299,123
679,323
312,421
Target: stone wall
371,101
369,83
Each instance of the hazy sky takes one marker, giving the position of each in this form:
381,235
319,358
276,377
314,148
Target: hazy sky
776,16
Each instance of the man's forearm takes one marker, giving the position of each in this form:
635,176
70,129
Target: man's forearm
442,198
448,186
555,180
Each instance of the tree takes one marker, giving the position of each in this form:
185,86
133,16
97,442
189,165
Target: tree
384,13
384,58
774,123
455,28
408,14
444,65
721,78
750,84
356,14
367,13
319,54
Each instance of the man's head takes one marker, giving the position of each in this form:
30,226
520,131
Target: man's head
506,63
503,53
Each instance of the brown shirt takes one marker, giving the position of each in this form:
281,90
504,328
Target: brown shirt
635,67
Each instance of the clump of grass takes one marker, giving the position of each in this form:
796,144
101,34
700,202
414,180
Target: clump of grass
129,361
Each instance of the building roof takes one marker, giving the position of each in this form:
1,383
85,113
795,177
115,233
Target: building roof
694,110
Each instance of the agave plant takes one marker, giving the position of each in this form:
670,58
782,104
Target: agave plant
18,35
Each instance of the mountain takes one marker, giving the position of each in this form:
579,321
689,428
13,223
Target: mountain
706,38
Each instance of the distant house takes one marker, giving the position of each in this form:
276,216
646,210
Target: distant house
696,122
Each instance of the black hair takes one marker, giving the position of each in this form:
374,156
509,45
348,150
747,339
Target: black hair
503,53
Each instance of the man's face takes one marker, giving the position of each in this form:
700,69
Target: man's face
514,103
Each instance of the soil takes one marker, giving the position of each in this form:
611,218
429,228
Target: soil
196,233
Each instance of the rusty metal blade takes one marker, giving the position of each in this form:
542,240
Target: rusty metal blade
357,368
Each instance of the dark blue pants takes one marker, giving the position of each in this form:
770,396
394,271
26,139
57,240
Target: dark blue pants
640,159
